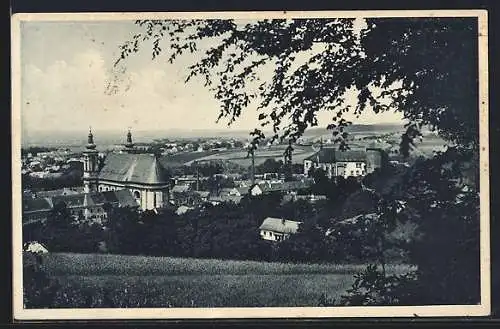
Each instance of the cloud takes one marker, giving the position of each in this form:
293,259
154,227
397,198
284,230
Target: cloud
71,95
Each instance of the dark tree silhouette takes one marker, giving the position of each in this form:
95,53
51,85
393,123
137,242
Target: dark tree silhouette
411,62
425,68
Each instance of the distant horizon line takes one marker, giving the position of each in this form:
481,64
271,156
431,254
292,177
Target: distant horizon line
194,129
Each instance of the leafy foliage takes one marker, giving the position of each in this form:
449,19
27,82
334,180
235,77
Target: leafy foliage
425,68
407,65
443,192
373,287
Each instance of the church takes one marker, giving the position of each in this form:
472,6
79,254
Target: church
140,173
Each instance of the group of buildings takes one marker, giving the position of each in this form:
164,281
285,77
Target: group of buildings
47,164
139,180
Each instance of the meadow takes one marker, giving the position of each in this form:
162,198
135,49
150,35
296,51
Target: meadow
139,281
240,157
361,139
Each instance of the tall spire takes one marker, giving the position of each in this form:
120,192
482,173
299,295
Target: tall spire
90,167
90,140
129,145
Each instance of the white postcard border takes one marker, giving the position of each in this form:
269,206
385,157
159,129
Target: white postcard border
483,309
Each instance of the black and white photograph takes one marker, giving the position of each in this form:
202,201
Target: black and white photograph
250,165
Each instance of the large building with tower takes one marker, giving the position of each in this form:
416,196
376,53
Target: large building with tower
346,163
140,173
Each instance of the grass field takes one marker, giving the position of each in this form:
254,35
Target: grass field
426,148
179,282
240,156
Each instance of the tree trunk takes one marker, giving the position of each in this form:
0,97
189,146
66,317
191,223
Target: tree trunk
253,168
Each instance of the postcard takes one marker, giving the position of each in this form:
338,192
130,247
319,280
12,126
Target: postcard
215,165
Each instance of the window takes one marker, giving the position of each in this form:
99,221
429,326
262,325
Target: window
137,195
352,172
358,165
357,172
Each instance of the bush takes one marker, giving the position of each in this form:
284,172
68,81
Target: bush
39,291
373,287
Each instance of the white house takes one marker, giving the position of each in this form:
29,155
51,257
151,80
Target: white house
183,209
256,190
345,163
230,191
35,247
281,187
278,229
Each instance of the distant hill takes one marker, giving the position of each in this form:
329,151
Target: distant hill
79,138
358,128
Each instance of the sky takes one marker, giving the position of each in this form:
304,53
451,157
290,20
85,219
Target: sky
66,66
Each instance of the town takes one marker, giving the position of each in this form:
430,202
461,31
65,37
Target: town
135,176
296,203
171,163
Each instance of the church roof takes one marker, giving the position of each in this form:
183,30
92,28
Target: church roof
134,168
331,155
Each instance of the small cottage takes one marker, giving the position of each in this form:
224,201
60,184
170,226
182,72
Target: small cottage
35,247
278,229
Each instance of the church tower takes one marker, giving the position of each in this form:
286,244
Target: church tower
129,145
90,165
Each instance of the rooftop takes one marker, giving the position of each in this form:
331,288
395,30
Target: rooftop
280,225
37,204
181,188
226,198
122,198
134,168
284,186
332,155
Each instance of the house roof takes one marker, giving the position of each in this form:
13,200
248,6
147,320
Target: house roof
203,194
35,247
310,197
37,204
71,201
284,186
135,168
122,198
331,155
63,191
180,188
228,190
355,219
226,198
182,210
279,225
243,190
